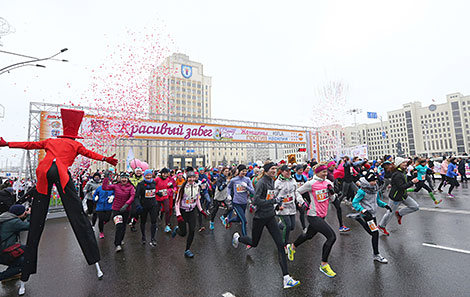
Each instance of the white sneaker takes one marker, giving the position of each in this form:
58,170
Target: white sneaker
380,259
289,282
118,249
235,238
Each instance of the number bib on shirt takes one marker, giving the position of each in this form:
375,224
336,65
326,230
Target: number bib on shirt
287,199
270,194
423,177
240,188
203,186
111,199
164,192
149,194
118,219
321,195
372,225
190,201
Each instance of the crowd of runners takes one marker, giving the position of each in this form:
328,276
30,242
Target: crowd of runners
275,194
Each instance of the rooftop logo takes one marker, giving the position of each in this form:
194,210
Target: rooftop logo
186,71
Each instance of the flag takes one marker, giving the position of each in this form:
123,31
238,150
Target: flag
130,157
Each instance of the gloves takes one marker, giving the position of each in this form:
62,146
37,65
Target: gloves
124,208
139,209
159,194
3,142
204,213
111,160
388,208
180,219
331,191
367,215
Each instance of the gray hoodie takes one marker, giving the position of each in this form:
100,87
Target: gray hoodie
90,188
287,190
367,197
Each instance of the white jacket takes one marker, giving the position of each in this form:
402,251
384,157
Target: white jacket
287,190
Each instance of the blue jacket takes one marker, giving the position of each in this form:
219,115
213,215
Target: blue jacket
239,192
451,170
103,196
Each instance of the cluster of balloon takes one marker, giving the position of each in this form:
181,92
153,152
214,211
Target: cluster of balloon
328,116
131,83
136,163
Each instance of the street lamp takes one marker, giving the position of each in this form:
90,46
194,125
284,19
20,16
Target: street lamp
354,111
29,62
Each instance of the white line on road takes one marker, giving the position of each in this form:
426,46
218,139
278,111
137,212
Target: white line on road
446,248
228,294
456,211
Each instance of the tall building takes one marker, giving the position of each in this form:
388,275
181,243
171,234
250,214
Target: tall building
434,130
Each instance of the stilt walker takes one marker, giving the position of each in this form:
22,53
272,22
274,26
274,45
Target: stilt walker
60,154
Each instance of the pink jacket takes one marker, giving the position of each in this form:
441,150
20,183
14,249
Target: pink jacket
123,194
165,186
318,191
444,166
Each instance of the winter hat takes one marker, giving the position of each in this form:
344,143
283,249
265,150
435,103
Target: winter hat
284,168
370,176
148,171
190,174
165,170
320,168
268,166
399,160
124,174
241,167
17,209
96,174
331,163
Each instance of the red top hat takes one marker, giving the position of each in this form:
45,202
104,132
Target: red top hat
71,121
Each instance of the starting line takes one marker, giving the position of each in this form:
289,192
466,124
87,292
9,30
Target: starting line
446,248
456,211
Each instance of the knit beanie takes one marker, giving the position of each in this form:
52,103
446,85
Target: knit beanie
268,166
148,171
17,209
241,167
320,168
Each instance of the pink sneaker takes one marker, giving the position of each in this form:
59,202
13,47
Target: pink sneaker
101,235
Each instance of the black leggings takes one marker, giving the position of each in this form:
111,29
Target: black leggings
375,234
153,211
289,225
166,205
453,183
443,179
103,217
273,229
215,208
121,227
421,184
339,212
317,224
190,219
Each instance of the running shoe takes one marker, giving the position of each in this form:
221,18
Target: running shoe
450,196
188,254
167,229
235,238
248,247
344,229
327,270
380,259
383,231
144,241
173,233
118,249
202,229
397,214
101,235
290,252
227,224
223,220
290,283
436,202
439,190
211,225
153,242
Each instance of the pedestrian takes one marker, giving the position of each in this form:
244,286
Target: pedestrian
220,195
163,189
366,201
321,192
462,170
399,194
443,172
146,204
7,199
186,202
300,179
422,170
89,190
265,216
124,194
451,176
104,202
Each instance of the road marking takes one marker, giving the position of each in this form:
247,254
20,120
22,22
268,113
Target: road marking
446,248
228,294
456,211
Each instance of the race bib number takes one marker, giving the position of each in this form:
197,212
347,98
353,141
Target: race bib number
164,192
203,186
287,199
190,201
170,185
270,195
240,188
111,199
118,219
321,195
150,194
423,177
372,226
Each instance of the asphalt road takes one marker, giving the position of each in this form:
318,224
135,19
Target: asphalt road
218,269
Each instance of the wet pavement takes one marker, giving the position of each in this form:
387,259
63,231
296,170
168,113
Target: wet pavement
218,268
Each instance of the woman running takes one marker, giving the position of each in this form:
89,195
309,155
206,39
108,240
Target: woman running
451,176
186,202
422,169
366,200
321,192
300,179
104,202
146,204
266,217
220,195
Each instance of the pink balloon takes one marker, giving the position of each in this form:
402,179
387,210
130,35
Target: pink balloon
133,164
138,163
144,166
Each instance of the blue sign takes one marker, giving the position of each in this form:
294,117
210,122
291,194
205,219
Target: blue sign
186,71
384,135
371,115
190,151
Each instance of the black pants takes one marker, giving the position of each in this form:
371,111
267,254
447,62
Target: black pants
78,219
190,219
273,229
463,175
288,222
301,216
103,217
453,183
317,224
215,208
375,234
151,210
339,212
121,227
91,210
443,179
421,184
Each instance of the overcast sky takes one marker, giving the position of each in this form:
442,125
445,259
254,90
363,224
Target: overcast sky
266,58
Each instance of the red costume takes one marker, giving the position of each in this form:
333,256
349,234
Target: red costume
53,169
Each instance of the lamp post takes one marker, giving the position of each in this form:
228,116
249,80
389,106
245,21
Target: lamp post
31,62
354,112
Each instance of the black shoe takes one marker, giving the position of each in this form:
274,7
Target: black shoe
144,241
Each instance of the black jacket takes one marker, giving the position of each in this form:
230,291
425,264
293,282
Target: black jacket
264,207
145,194
399,185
